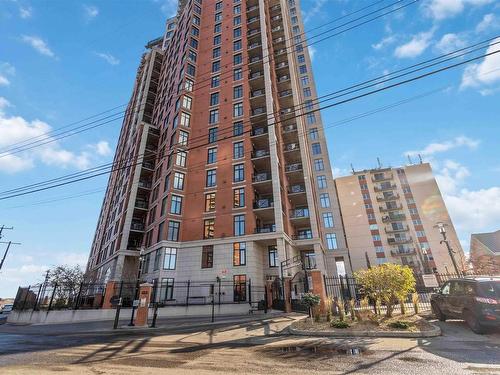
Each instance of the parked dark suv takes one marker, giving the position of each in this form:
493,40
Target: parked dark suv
476,300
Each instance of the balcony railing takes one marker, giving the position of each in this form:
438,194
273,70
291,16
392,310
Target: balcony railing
385,187
292,147
390,218
387,198
404,228
282,64
276,7
258,111
290,128
261,177
260,153
137,226
266,229
277,28
253,7
263,203
303,235
295,189
257,93
141,204
255,75
390,208
298,213
255,59
280,52
254,45
396,240
145,184
403,252
383,177
285,93
293,167
148,165
253,19
276,18
284,78
259,131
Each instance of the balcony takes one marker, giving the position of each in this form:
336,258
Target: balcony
141,204
284,78
384,187
404,228
144,184
382,177
276,18
403,252
252,20
256,75
137,226
257,112
257,154
296,189
263,203
387,198
292,168
390,208
299,213
266,228
151,149
257,93
261,177
252,8
275,8
279,40
280,52
134,244
392,218
254,45
291,147
257,132
304,234
255,59
285,93
399,241
148,165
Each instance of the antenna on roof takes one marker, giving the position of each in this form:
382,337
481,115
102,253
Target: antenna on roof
379,163
409,159
352,168
420,158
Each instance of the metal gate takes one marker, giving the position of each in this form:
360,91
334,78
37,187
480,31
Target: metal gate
278,293
299,286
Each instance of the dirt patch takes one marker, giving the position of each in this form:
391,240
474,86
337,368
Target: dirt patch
416,323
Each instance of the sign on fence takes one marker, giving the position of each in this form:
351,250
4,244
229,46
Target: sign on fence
430,281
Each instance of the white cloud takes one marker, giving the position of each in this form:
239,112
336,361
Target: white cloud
316,9
25,12
388,40
6,70
102,148
486,74
451,175
489,22
168,7
416,46
439,147
109,58
442,9
38,44
450,42
312,52
91,11
15,129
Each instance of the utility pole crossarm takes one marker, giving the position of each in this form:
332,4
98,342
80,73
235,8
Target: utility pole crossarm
3,227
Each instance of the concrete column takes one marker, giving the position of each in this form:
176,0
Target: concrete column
269,293
287,291
318,287
108,294
141,318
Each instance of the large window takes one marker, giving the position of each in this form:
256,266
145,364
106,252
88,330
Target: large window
238,151
167,288
173,230
316,148
319,165
183,138
237,59
214,98
213,117
328,219
237,74
215,66
187,102
188,85
216,52
239,225
239,254
212,155
170,259
324,199
156,265
207,256
238,128
237,92
212,135
159,236
240,288
273,256
176,205
178,180
180,159
215,82
239,198
321,182
238,109
211,177
331,241
238,173
185,119
209,202
208,228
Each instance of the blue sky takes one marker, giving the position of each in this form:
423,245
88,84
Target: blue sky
62,61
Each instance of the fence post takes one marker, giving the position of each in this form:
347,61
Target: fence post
136,295
326,288
26,296
265,299
250,292
212,289
77,304
187,293
35,308
219,282
52,297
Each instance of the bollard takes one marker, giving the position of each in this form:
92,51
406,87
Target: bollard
117,314
155,315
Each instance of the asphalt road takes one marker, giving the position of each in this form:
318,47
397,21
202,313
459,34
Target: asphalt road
188,346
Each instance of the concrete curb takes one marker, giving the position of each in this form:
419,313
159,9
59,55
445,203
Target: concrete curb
435,331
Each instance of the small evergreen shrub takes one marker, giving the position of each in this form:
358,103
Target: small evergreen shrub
400,324
339,324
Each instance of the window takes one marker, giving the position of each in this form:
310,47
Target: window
238,110
237,45
237,59
173,230
328,219
167,289
218,6
313,134
196,20
209,202
239,225
331,241
239,198
159,236
178,181
191,70
188,85
302,69
176,205
212,135
318,165
237,92
237,9
420,233
379,249
238,151
187,102
310,118
321,182
239,254
301,59
217,40
192,56
324,199
216,52
215,66
238,128
211,177
207,256
376,237
238,173
185,119
218,17
239,288
213,116
212,155
307,92
183,138
156,265
237,74
273,256
193,43
304,80
214,98
316,149
217,28
373,227
208,228
167,183
237,21
163,206
237,32
180,159
170,259
215,82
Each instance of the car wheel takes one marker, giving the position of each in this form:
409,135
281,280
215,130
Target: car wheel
473,323
437,312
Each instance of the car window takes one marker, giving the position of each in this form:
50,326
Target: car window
445,289
490,289
456,288
469,289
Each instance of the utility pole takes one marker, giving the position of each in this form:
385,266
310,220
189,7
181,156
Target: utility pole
7,250
2,229
441,226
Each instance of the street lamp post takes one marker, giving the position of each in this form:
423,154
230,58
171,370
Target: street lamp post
441,226
136,295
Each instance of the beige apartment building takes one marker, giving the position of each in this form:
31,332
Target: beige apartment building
390,215
485,252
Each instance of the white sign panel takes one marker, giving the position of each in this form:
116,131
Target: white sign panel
430,281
